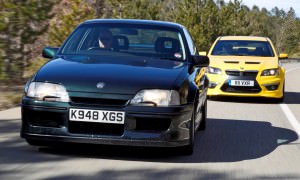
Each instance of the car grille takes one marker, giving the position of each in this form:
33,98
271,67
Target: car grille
97,101
241,73
96,128
240,89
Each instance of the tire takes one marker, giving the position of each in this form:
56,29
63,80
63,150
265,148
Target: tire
189,149
279,100
202,125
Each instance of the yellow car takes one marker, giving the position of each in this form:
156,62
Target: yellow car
245,66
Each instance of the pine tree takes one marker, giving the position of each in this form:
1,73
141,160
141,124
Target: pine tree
138,9
65,23
286,36
21,23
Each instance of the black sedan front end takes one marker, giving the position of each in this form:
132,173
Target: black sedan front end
142,126
137,83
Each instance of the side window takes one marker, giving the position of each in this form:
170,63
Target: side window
73,43
192,47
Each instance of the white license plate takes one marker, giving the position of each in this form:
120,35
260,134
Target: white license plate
98,116
241,83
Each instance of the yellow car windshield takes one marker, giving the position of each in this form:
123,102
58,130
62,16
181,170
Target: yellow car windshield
243,48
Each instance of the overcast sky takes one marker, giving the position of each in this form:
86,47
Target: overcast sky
269,4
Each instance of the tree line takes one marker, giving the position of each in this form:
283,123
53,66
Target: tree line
23,23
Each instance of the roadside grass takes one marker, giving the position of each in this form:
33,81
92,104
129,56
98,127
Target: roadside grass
11,94
295,55
10,97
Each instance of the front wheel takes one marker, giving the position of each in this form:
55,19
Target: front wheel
189,149
279,100
202,125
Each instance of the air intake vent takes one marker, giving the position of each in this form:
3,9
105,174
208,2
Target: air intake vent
231,62
95,128
252,62
241,73
95,101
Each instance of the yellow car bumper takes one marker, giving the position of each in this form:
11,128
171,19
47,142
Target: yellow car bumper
266,86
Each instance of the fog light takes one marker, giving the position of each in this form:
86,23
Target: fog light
212,84
272,87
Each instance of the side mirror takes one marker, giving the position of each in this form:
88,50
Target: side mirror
203,53
202,61
49,52
283,56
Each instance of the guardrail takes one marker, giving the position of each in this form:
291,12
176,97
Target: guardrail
290,60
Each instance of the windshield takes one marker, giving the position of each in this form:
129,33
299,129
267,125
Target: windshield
243,48
126,39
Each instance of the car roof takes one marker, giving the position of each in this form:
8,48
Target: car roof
135,21
248,38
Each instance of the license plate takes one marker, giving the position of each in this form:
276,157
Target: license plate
241,83
98,116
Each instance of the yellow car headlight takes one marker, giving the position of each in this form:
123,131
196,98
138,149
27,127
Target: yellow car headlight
213,70
270,72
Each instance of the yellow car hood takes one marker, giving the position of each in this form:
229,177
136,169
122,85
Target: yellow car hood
243,62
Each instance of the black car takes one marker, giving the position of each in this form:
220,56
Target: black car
119,82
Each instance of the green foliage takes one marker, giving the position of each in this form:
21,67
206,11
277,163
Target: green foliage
65,23
21,22
197,17
34,66
137,9
2,75
287,38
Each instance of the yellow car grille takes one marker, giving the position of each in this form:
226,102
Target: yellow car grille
241,73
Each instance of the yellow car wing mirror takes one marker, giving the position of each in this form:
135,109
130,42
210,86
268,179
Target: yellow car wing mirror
202,53
283,56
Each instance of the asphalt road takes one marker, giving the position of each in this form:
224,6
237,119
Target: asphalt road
244,139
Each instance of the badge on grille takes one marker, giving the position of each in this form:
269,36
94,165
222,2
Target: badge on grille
100,85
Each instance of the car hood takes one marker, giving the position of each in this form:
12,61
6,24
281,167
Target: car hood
243,62
122,76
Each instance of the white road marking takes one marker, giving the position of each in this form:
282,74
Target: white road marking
288,113
290,116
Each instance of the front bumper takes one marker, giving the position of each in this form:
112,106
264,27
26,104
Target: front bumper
269,87
144,126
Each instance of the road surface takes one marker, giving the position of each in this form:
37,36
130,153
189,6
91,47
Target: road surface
244,139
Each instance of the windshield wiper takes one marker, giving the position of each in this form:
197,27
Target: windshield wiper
240,55
170,58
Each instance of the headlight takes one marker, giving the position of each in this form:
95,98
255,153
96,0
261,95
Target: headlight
213,70
270,72
26,86
47,92
156,97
